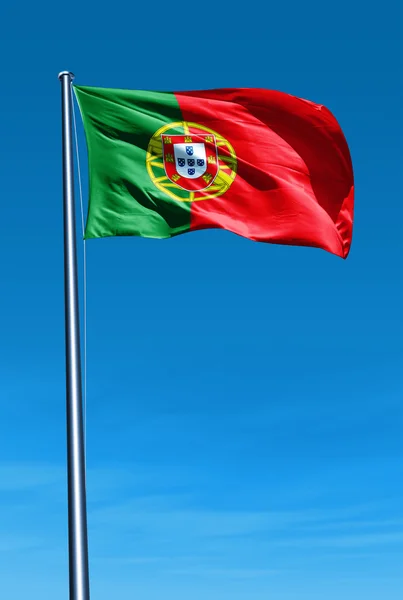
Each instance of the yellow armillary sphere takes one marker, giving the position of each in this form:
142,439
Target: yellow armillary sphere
190,162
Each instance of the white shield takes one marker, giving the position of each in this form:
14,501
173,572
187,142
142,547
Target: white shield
190,160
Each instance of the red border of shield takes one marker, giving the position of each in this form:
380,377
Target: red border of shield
200,183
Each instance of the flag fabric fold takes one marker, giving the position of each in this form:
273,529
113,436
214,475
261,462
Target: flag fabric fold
263,164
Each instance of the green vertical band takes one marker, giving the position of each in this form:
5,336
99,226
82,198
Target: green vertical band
123,199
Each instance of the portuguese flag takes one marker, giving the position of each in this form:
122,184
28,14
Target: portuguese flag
263,164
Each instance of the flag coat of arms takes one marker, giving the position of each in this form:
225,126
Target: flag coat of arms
263,164
190,161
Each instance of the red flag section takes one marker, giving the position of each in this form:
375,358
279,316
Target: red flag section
294,178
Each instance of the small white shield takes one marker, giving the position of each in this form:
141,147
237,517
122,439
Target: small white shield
190,160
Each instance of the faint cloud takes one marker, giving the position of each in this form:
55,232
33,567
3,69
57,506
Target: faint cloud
225,573
164,524
16,543
345,541
16,477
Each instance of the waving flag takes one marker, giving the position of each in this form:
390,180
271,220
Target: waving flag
263,164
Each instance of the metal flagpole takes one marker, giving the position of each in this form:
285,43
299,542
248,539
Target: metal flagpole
78,541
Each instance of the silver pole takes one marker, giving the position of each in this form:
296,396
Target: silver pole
78,542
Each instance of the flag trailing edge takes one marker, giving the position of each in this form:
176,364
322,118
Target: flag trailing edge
263,164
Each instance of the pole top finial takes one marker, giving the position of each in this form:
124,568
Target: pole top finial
68,73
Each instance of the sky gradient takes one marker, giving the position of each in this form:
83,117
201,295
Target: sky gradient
244,409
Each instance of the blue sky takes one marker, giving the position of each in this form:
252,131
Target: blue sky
244,400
